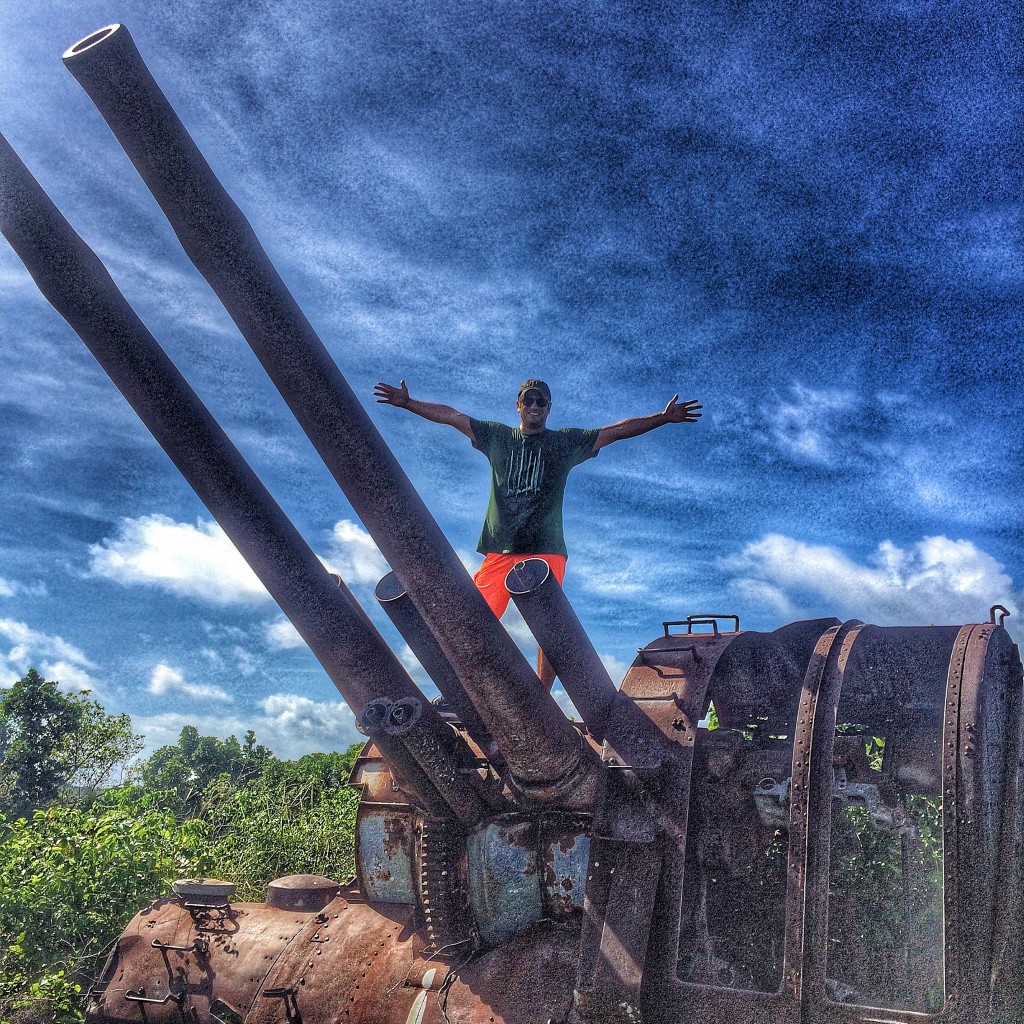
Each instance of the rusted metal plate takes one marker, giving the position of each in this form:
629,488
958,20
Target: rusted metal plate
504,876
238,945
385,852
564,855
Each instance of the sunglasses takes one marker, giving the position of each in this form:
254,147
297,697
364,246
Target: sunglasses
529,400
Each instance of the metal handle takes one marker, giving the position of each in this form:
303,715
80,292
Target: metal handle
140,997
703,619
291,1006
197,945
706,618
998,608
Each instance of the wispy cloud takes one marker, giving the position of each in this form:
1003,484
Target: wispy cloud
190,561
354,556
168,680
281,635
936,580
807,424
15,588
819,427
51,655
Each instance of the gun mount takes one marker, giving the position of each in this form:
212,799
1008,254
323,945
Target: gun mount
817,825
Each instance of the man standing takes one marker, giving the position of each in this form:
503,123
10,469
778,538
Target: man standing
529,467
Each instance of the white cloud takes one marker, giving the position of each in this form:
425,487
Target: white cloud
936,580
281,635
805,426
354,556
70,675
168,680
11,588
322,723
616,667
190,561
51,655
290,725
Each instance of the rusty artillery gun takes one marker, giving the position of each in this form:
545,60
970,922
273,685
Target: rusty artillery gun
845,845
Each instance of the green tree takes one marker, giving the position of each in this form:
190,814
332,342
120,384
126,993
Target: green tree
295,817
183,772
35,722
56,746
97,752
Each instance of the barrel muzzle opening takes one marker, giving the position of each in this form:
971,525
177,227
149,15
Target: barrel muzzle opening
90,41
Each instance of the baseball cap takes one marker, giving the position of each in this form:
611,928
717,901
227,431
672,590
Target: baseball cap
535,385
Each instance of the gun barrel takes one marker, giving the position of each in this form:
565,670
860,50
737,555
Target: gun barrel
355,656
402,612
554,623
543,751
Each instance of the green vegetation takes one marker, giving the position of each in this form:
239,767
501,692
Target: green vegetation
78,861
56,747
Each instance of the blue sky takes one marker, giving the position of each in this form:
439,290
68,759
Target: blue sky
806,215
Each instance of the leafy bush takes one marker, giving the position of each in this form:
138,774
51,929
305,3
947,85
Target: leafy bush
70,880
297,817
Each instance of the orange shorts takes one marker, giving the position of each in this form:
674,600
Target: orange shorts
490,577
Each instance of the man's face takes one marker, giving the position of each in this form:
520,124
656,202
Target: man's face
533,411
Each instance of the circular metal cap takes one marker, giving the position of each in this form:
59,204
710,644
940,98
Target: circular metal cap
389,588
305,893
204,888
527,575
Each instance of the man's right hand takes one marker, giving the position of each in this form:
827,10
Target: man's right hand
388,394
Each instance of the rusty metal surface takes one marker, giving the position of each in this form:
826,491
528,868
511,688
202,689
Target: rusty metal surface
504,878
1007,996
380,964
444,888
386,852
538,742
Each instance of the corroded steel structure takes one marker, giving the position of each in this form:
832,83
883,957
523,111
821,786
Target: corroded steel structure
817,825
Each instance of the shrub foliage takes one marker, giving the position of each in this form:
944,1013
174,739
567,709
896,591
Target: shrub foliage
77,863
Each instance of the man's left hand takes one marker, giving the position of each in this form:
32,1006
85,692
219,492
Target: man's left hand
682,412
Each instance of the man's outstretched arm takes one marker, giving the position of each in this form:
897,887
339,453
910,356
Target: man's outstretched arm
388,394
674,412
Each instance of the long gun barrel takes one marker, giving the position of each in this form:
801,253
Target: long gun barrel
402,612
355,656
545,754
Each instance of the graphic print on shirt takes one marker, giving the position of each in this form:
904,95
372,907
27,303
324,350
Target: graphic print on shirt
525,469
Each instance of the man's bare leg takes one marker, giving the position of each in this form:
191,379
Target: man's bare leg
545,671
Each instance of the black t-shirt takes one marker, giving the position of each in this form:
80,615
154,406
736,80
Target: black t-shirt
528,474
